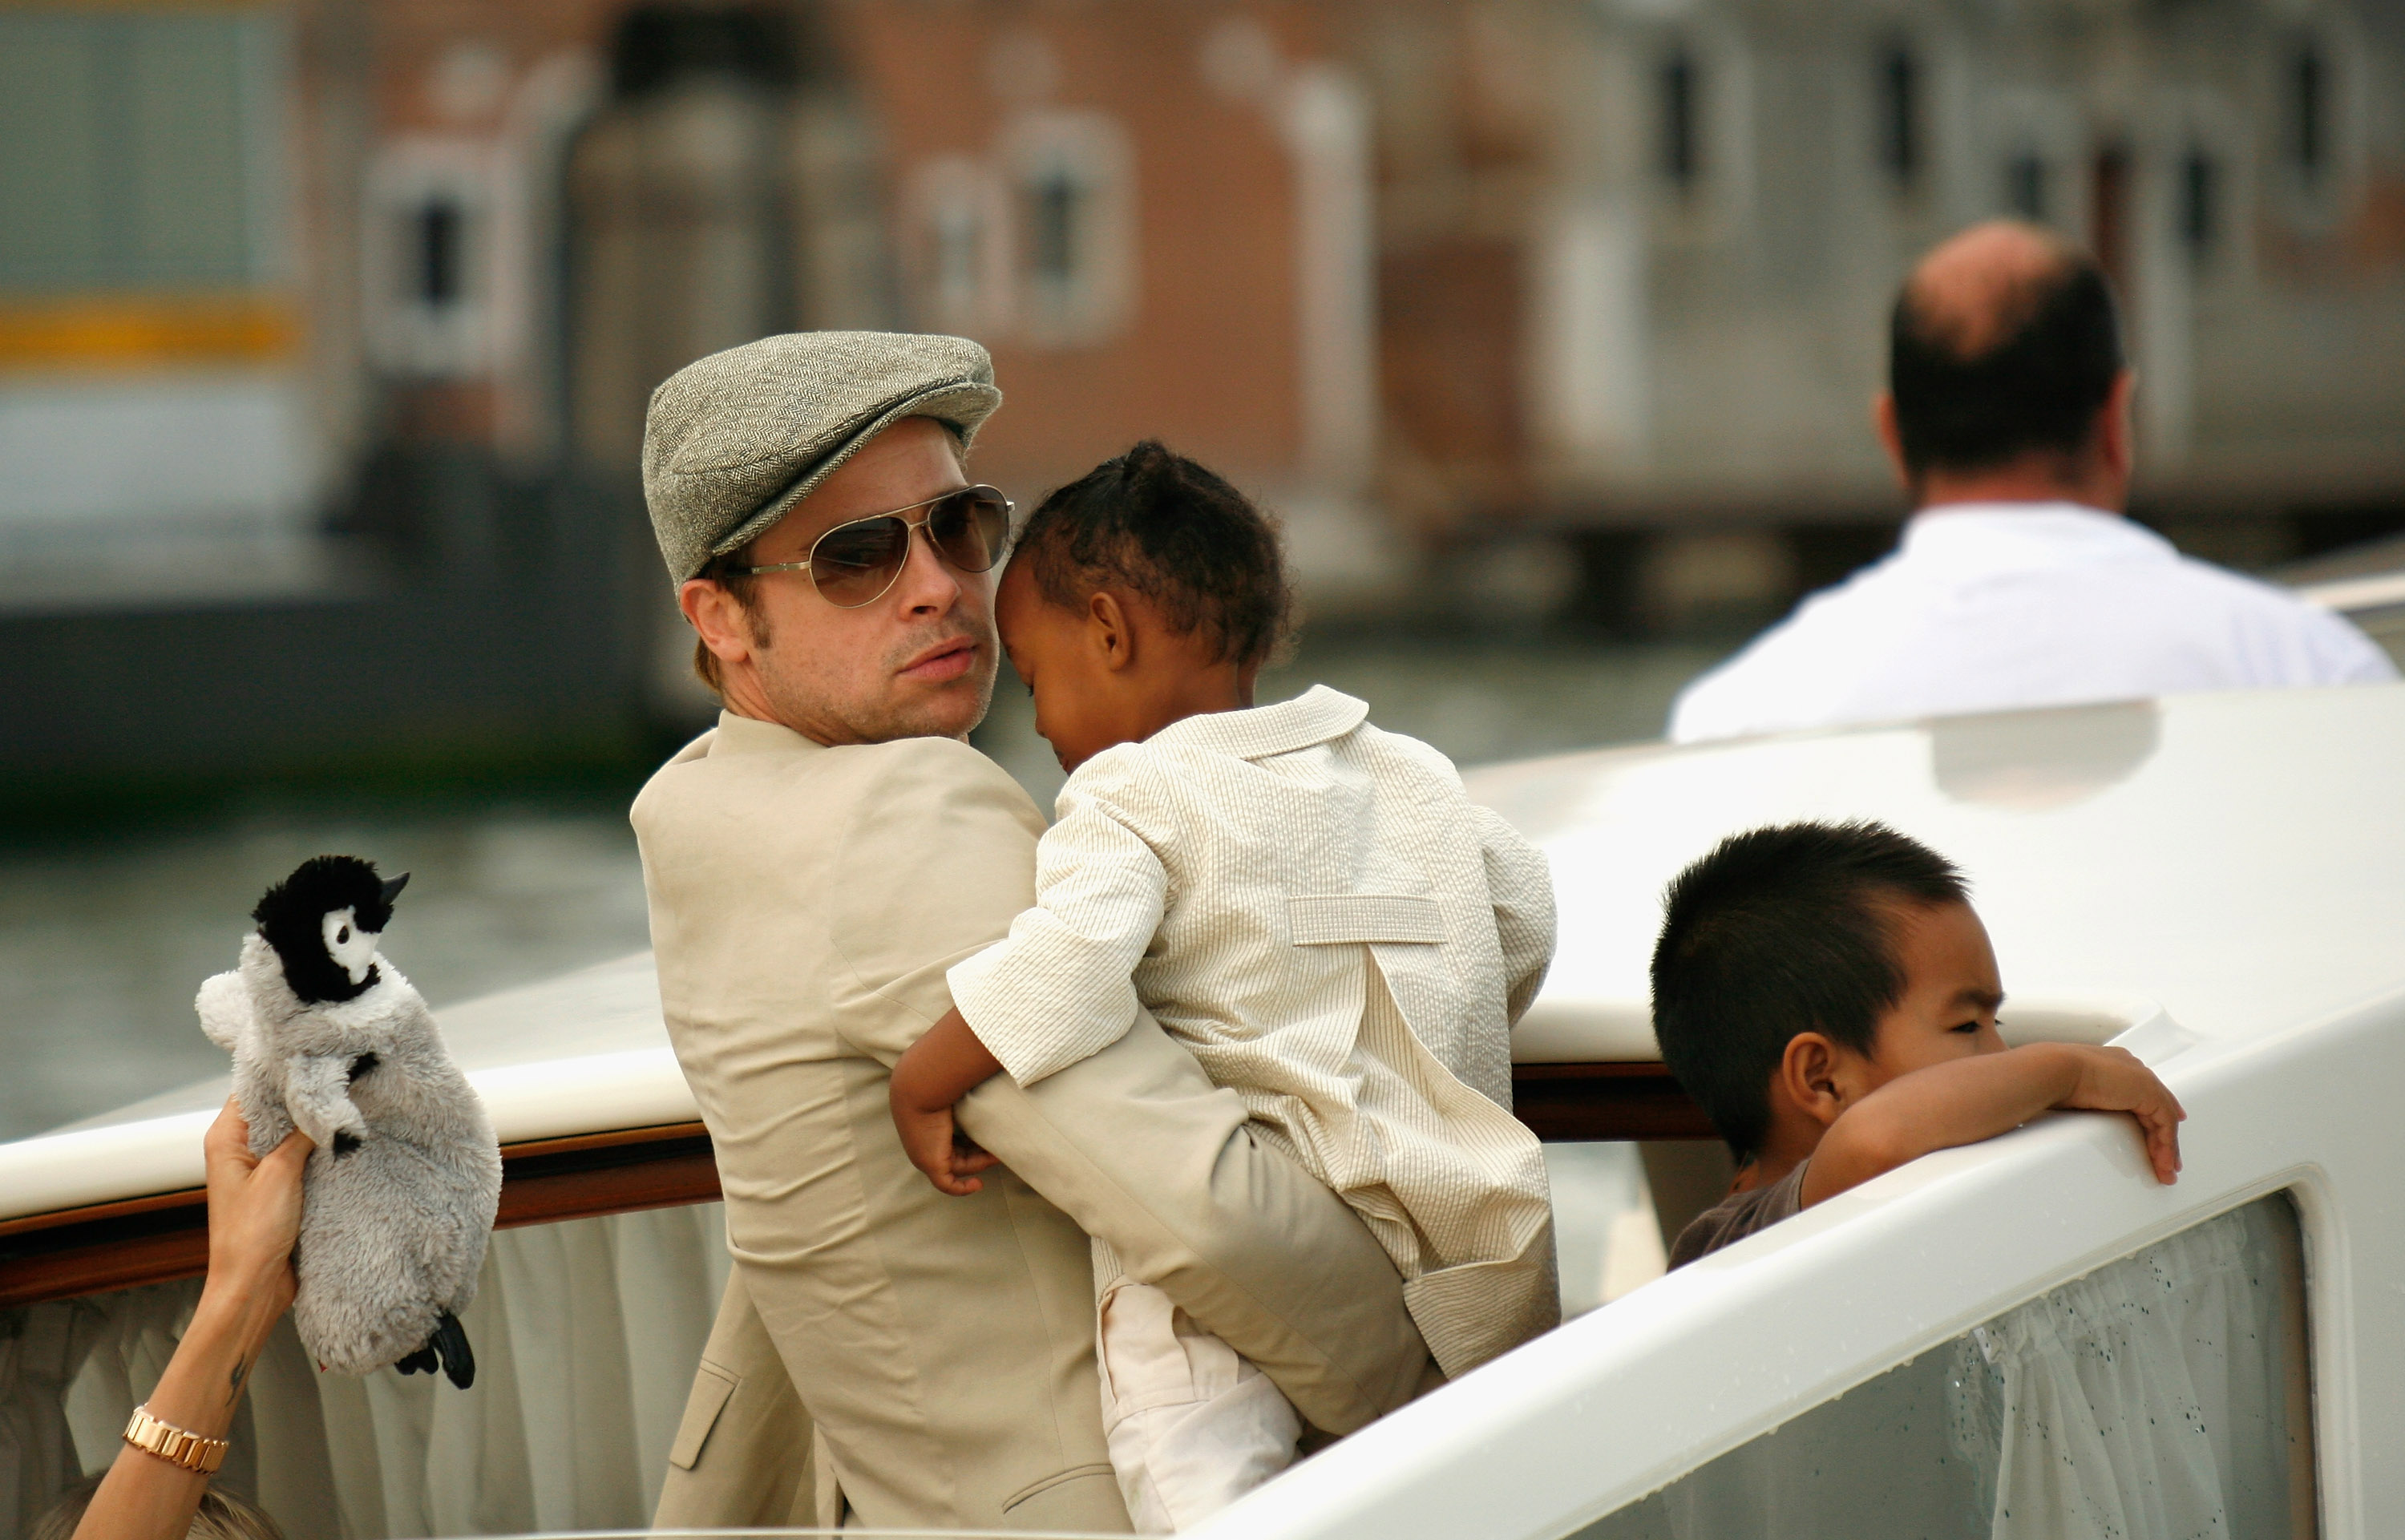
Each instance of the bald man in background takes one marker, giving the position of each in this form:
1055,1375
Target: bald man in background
2018,582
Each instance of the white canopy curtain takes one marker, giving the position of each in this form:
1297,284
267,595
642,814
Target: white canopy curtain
2152,1397
585,1332
2160,1397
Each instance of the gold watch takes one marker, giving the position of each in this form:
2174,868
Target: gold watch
175,1445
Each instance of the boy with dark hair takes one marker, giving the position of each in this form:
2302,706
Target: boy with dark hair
1827,994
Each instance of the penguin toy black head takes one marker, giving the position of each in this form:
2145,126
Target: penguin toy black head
323,922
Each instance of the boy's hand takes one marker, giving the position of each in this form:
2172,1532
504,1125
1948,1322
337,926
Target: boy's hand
936,1147
2112,1080
934,1074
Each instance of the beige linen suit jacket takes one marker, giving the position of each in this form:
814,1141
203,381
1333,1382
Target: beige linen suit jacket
928,1361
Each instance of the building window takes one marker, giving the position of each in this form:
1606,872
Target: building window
957,243
136,148
1682,119
2025,186
2309,112
427,259
440,235
1073,209
1053,227
960,255
1899,116
2200,202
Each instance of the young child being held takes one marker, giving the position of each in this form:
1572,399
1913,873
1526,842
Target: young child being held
1827,995
1310,905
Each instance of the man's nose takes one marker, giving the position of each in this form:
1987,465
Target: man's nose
928,584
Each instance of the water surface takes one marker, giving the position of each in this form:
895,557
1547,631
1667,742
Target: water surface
107,931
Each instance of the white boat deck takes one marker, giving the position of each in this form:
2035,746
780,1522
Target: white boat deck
2238,858
2101,843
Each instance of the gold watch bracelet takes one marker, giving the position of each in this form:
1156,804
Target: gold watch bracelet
178,1446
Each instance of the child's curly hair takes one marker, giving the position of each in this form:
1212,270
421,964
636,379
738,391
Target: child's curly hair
1175,533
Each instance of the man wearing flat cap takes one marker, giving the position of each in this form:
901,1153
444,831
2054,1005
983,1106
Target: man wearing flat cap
815,863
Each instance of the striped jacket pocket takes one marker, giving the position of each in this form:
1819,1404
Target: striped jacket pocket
1348,919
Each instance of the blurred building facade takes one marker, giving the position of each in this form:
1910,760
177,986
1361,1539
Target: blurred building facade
1699,213
365,297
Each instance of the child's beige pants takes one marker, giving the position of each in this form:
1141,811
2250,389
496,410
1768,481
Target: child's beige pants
1191,1424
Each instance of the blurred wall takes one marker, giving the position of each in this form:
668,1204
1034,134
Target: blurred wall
318,302
1636,257
1457,260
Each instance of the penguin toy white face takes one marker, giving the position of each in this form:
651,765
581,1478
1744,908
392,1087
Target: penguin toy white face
351,945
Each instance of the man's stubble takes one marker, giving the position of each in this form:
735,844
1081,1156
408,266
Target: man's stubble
809,685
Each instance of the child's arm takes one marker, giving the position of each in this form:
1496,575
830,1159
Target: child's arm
932,1076
1967,1100
1060,988
1520,886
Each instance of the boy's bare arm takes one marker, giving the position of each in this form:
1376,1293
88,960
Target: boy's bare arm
1971,1099
933,1075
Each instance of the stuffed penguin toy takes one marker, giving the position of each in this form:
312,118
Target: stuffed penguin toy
399,1197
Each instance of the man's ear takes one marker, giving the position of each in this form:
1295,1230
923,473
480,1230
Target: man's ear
1109,629
1890,437
1807,1078
2115,430
716,619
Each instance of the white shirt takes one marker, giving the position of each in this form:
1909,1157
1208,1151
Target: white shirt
1995,606
1316,909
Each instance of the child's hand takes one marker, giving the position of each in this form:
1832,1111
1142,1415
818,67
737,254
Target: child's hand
939,1148
2112,1080
936,1073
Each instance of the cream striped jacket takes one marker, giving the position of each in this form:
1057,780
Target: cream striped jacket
1343,939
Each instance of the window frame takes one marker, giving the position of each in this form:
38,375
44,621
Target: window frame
1096,299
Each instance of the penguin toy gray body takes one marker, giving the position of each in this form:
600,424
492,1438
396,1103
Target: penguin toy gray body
399,1199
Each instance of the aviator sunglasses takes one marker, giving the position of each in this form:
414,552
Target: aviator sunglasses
854,564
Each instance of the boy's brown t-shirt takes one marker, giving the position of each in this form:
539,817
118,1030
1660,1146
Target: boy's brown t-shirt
1739,1215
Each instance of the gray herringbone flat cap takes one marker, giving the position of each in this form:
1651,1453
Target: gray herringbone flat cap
733,440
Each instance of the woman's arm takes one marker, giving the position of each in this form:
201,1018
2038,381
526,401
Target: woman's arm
1967,1100
254,1217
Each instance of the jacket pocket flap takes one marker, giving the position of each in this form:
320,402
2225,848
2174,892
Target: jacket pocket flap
712,1387
1340,919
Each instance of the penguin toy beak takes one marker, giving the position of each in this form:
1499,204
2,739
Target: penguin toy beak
392,888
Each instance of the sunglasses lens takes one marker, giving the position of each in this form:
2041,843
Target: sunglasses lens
969,527
854,563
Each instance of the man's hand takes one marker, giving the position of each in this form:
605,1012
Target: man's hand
2112,1080
931,1079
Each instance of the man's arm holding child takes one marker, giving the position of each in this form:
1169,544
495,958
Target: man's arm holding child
1969,1100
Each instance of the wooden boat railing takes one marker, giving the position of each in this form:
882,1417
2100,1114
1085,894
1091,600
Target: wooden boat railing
165,1237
